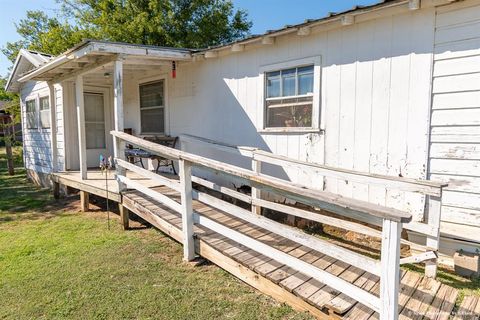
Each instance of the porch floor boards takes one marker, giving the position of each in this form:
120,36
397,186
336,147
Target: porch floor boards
420,297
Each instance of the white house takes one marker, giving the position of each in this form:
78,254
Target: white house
392,88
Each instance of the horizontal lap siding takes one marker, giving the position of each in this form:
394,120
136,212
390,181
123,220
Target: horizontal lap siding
36,142
455,119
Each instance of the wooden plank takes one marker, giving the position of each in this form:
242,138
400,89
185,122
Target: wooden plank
429,255
186,209
256,194
421,299
443,304
232,193
433,242
389,278
250,277
327,278
151,193
468,309
298,278
118,144
342,303
154,219
399,183
326,294
300,237
173,184
310,287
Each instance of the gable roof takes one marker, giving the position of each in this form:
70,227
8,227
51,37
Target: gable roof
27,60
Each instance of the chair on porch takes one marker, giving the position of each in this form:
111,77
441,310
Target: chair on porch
135,155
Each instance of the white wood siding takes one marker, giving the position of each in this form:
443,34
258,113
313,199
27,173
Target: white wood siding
375,101
37,142
455,121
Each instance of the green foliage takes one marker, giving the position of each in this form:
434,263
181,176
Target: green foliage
45,34
174,23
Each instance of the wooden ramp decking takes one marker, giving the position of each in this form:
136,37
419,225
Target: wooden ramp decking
420,297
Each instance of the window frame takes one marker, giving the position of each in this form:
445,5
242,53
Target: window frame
316,95
40,124
147,81
35,112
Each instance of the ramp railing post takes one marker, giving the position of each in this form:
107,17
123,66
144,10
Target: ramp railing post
390,269
187,211
256,193
434,216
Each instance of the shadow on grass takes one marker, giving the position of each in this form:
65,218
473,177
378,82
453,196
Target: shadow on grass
20,199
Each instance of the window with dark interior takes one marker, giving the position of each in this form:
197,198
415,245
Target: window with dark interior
289,97
31,113
152,107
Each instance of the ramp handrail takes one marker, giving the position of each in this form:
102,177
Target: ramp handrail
390,219
432,190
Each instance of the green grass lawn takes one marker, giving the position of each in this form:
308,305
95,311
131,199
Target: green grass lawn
56,262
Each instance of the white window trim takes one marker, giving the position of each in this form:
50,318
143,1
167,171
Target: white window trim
166,109
40,126
316,61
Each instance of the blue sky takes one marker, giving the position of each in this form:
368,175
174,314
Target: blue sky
265,14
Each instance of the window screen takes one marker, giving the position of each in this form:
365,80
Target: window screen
152,107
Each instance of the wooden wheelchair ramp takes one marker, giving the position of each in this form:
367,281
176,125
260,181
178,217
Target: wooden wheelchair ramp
419,297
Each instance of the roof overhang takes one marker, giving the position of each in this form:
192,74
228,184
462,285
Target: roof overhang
92,54
26,60
349,17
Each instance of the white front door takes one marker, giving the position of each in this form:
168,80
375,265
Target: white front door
96,127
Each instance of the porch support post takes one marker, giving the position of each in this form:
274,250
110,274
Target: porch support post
118,144
53,127
82,145
390,271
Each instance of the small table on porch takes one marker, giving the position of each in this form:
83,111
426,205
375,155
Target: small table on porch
136,153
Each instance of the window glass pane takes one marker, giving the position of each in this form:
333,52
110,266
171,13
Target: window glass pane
31,120
273,84
30,106
305,83
95,135
151,95
94,107
44,103
152,120
288,82
45,118
289,113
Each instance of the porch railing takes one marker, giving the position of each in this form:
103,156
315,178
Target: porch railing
389,219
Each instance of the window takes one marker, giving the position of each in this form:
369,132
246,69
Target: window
152,107
289,97
45,112
31,113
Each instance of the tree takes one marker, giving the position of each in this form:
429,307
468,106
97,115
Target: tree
174,23
41,33
8,122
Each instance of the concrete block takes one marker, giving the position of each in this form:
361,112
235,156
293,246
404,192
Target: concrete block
467,264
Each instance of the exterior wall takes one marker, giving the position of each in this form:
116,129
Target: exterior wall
455,131
375,101
37,147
